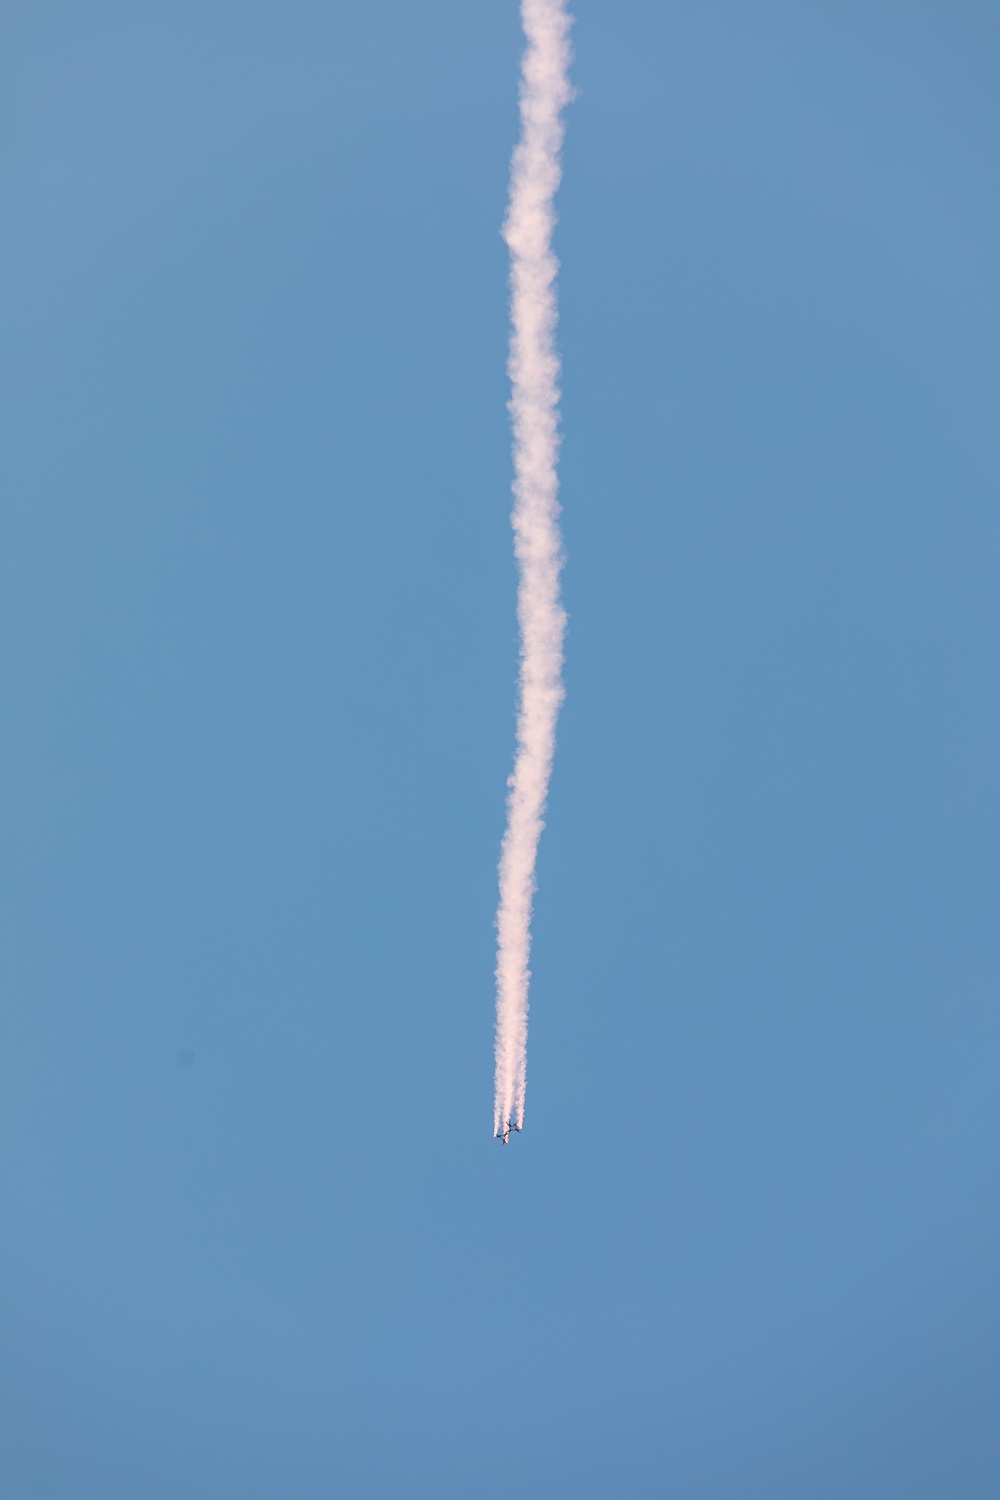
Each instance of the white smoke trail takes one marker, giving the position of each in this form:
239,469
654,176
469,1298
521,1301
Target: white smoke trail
534,406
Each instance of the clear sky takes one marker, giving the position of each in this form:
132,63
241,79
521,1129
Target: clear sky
259,650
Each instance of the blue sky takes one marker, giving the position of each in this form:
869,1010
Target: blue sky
258,659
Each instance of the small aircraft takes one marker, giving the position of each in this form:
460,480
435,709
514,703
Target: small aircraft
504,1134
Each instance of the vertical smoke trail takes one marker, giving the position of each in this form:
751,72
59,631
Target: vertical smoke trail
534,407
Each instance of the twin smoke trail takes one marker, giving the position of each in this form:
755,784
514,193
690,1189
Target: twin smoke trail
534,407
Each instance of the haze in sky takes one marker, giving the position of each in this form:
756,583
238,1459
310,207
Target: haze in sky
259,645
